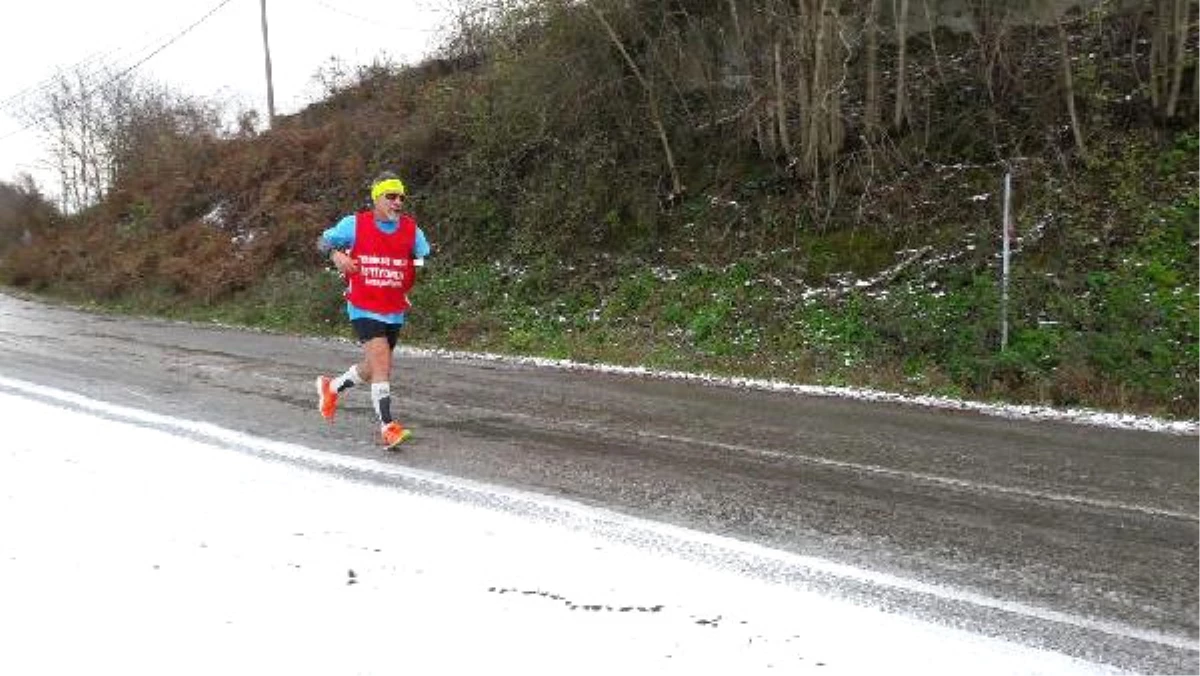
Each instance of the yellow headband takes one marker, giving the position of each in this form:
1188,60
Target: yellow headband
387,186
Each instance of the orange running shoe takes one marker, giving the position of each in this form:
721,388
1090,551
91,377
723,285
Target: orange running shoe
393,434
327,398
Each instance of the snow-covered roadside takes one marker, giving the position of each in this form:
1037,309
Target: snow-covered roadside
135,550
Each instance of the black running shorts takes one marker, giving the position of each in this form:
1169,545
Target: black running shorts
366,329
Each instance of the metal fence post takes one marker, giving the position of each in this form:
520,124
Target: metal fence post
1007,228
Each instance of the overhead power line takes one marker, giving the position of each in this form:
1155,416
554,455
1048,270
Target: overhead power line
172,40
15,100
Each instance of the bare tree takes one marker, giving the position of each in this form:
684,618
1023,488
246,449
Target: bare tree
781,114
656,118
748,74
818,86
872,106
76,118
1064,51
96,126
1168,53
900,112
1181,20
931,26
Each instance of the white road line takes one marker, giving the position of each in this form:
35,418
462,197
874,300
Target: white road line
963,484
584,513
864,468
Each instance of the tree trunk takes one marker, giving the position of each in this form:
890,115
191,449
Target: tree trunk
781,116
1181,19
759,137
901,111
816,87
932,27
835,131
871,106
1156,50
806,83
835,39
651,100
1196,90
1069,89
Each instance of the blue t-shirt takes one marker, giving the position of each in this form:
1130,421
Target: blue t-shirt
341,236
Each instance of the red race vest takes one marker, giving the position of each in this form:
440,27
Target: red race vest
385,267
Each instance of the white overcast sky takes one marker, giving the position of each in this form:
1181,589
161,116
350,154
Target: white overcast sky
221,58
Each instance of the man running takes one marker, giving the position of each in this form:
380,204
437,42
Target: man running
377,251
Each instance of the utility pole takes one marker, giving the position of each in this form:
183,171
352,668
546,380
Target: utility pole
267,53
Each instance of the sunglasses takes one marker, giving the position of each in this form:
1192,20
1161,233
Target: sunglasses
394,196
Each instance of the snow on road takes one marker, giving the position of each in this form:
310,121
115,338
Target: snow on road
127,548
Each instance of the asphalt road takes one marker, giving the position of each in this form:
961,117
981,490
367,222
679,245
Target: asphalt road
1075,538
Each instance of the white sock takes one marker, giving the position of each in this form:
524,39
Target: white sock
347,380
381,397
